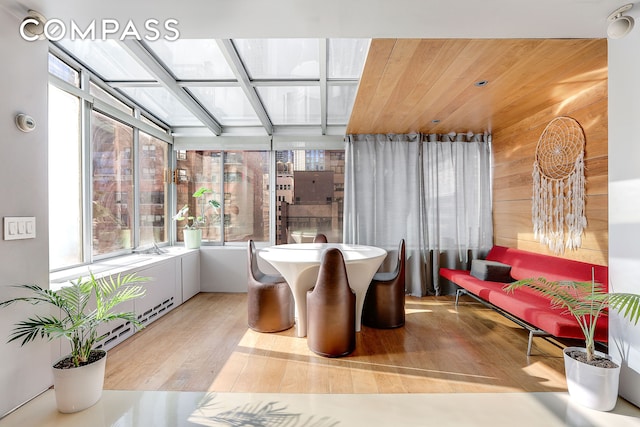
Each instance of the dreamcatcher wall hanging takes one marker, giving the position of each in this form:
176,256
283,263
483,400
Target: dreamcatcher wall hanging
559,186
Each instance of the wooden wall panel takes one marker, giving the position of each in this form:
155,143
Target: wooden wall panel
427,86
514,154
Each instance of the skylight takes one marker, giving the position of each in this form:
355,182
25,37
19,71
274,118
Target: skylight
309,84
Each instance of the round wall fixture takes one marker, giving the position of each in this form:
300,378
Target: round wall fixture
619,24
35,29
25,122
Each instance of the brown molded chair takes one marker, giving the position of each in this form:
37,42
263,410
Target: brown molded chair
331,309
384,303
269,298
320,238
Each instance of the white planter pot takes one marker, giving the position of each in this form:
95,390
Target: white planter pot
192,238
79,388
591,386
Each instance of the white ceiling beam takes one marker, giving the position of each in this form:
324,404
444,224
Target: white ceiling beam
151,64
231,54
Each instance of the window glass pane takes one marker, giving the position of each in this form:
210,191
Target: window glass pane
100,93
112,180
63,71
280,58
245,203
246,196
309,195
160,102
153,190
228,105
150,122
107,58
197,169
292,105
193,59
65,180
340,100
346,58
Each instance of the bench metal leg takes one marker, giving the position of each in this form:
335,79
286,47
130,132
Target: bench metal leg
459,292
533,331
536,333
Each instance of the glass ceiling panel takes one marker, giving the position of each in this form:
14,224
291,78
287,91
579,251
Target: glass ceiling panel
339,103
280,58
292,105
107,58
61,70
266,61
346,58
160,102
228,104
193,59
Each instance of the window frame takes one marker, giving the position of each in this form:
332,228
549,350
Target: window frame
143,120
88,104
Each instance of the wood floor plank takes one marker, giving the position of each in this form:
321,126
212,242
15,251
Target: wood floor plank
205,345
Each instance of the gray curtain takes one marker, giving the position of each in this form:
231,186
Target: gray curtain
432,190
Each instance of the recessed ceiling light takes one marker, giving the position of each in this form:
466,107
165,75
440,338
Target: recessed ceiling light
481,83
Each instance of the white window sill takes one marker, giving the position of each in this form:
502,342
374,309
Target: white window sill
116,265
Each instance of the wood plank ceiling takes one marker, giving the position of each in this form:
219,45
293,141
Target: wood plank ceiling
408,84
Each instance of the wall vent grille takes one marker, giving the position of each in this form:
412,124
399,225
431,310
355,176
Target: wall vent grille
158,310
124,330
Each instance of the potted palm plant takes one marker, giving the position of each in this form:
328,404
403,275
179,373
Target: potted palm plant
78,310
592,377
192,230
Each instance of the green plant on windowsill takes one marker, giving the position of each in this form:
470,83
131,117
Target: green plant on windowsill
586,301
195,222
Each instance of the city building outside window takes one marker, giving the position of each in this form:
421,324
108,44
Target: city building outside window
112,184
126,203
238,181
153,162
310,194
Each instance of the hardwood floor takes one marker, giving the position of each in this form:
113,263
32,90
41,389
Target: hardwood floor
205,345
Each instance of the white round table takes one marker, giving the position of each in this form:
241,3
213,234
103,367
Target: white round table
299,264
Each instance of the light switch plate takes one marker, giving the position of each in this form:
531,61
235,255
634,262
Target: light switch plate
19,227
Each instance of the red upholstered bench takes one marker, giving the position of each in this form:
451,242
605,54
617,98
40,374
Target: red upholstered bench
526,307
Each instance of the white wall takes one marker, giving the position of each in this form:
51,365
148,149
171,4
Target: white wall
224,268
624,200
23,87
24,371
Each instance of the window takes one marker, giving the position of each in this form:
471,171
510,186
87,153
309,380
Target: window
153,190
112,181
243,178
247,210
310,194
65,180
108,196
63,71
197,169
100,93
111,194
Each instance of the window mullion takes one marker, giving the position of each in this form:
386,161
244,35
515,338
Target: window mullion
223,239
135,152
87,171
273,202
